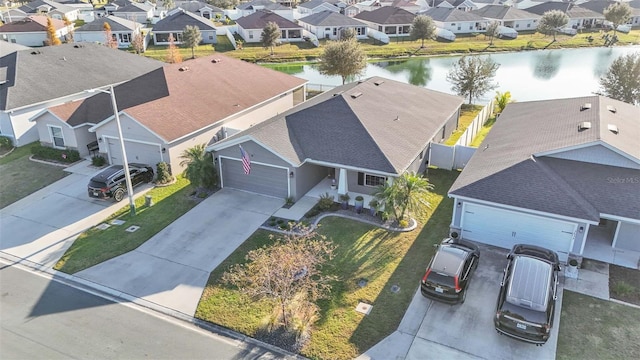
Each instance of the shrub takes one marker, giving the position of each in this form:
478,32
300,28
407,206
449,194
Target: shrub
283,226
98,161
164,173
6,142
289,200
345,197
280,221
359,198
325,203
403,223
48,153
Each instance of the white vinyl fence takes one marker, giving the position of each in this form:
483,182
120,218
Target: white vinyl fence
476,125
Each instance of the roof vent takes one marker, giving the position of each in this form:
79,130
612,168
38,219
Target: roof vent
356,95
379,82
338,93
585,106
215,61
184,68
612,109
584,125
36,52
78,46
613,129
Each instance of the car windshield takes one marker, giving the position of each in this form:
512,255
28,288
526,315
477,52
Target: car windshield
441,279
97,184
529,283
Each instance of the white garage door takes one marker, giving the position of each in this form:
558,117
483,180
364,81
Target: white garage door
263,179
136,152
505,228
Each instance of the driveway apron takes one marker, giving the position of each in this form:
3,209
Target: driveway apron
172,268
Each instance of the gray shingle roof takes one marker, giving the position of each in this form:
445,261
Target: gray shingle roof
180,19
382,129
451,15
135,7
510,167
387,15
330,18
573,11
195,6
314,3
502,12
32,7
116,23
8,48
57,71
260,18
261,4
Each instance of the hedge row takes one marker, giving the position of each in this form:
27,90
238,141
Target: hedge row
47,153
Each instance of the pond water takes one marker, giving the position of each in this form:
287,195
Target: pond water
528,75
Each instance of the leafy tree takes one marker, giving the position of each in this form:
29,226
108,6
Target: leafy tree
344,58
618,13
407,192
191,37
423,28
285,271
52,36
492,31
169,4
622,80
348,34
224,4
173,53
472,76
552,21
199,170
502,99
109,38
137,42
270,35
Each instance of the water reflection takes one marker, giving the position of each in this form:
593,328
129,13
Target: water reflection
546,65
602,62
418,70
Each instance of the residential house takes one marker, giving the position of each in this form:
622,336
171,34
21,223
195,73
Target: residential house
13,14
173,108
32,30
122,31
329,25
250,27
316,6
463,5
361,135
350,10
579,17
391,20
134,11
50,8
456,21
368,5
248,8
412,6
599,6
563,174
203,9
509,16
176,21
49,76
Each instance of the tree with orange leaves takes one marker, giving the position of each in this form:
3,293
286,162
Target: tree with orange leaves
52,36
173,55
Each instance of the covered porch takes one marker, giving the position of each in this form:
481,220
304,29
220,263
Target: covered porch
599,246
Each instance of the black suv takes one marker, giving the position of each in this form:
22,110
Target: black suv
111,182
527,298
448,273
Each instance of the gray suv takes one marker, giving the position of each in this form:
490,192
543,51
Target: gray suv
528,293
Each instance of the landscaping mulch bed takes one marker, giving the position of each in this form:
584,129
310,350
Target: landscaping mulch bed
624,284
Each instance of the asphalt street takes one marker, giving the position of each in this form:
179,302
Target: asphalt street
46,319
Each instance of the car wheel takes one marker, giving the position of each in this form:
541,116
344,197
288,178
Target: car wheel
118,195
464,296
148,177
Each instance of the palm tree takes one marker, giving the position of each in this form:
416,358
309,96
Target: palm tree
199,170
408,192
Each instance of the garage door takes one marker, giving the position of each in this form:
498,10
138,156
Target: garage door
266,180
136,152
505,228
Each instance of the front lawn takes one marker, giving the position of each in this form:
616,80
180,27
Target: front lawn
95,246
591,328
467,114
20,176
363,251
624,284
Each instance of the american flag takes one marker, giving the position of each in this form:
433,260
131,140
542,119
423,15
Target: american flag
246,162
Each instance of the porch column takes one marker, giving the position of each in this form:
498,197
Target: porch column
342,182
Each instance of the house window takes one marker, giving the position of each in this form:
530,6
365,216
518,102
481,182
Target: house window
517,26
372,180
380,28
250,34
125,38
335,31
391,30
295,34
283,34
56,136
405,29
444,132
528,25
361,30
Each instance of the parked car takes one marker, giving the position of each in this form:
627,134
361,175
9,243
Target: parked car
449,271
528,293
111,182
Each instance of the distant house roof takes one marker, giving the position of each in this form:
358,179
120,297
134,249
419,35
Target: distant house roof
179,19
8,48
572,10
502,12
116,23
176,100
38,75
195,6
32,7
330,18
260,18
32,23
135,7
387,15
450,14
600,5
376,124
513,166
315,3
261,4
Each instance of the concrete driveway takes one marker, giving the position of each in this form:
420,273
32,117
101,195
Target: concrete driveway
466,331
41,226
172,268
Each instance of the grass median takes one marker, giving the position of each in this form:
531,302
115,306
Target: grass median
363,251
95,246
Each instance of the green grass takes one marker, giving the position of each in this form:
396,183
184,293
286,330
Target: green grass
95,246
467,114
363,251
160,52
20,176
486,127
591,328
